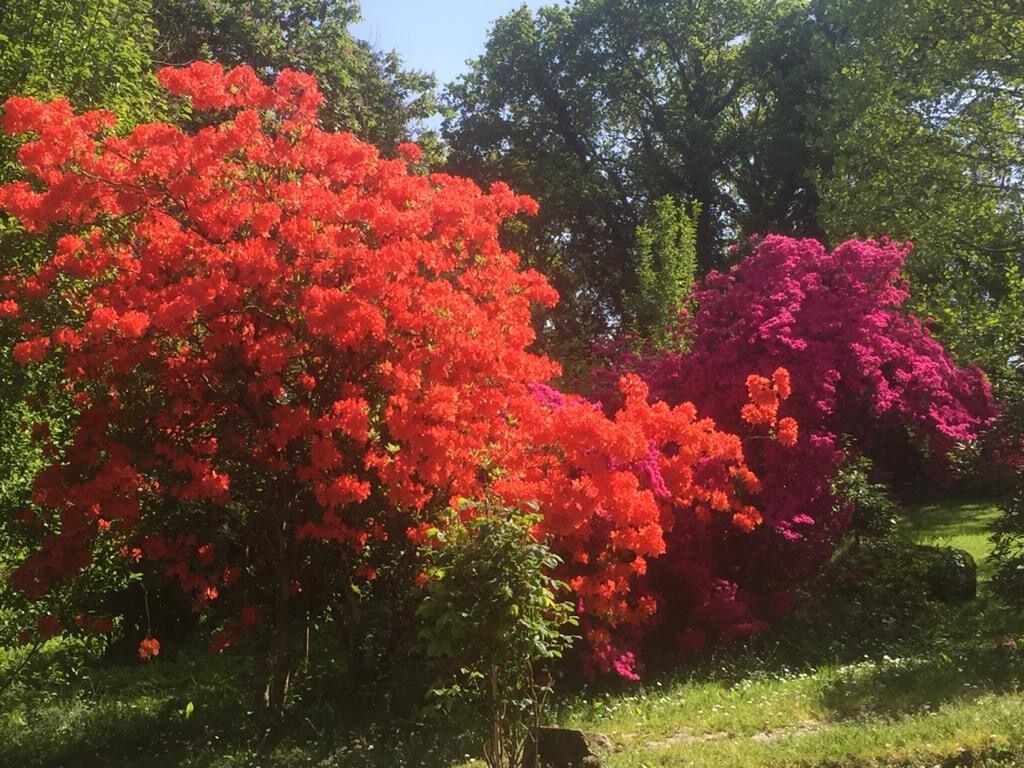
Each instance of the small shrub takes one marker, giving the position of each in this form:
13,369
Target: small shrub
868,597
1008,529
871,510
493,622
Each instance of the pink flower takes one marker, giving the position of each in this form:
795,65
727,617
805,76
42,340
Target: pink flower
625,666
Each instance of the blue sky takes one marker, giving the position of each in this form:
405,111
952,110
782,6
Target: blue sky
433,35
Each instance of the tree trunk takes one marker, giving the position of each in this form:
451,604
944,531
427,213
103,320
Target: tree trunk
276,691
278,658
708,257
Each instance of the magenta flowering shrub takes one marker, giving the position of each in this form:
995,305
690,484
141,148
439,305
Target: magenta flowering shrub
864,373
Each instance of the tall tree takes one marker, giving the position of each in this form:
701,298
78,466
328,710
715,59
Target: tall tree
603,107
822,118
666,269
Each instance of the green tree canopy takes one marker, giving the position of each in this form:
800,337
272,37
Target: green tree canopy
926,135
96,52
603,107
822,118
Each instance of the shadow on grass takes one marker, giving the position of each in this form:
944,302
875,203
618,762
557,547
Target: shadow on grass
103,715
897,687
118,715
969,651
199,711
896,662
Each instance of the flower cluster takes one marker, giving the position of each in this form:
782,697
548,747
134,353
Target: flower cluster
149,648
763,408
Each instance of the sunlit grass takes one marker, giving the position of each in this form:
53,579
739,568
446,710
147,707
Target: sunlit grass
952,523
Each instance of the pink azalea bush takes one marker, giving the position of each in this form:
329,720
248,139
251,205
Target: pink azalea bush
865,376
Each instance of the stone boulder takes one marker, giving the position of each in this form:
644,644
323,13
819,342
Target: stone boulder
952,574
561,748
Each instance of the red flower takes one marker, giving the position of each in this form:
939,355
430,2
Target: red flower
48,626
307,346
787,431
410,152
149,648
133,324
31,351
832,328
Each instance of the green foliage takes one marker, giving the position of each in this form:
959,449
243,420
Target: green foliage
872,510
886,594
94,52
1008,528
1009,549
376,626
868,597
600,107
666,266
103,53
97,54
823,118
492,619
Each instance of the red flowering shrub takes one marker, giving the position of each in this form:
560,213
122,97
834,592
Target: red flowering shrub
863,370
284,348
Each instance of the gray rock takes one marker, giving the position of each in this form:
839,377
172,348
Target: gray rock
561,748
952,574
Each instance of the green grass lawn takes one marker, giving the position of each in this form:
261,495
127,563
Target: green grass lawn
954,696
912,712
962,524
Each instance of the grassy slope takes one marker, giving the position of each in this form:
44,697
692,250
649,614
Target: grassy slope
851,716
955,698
